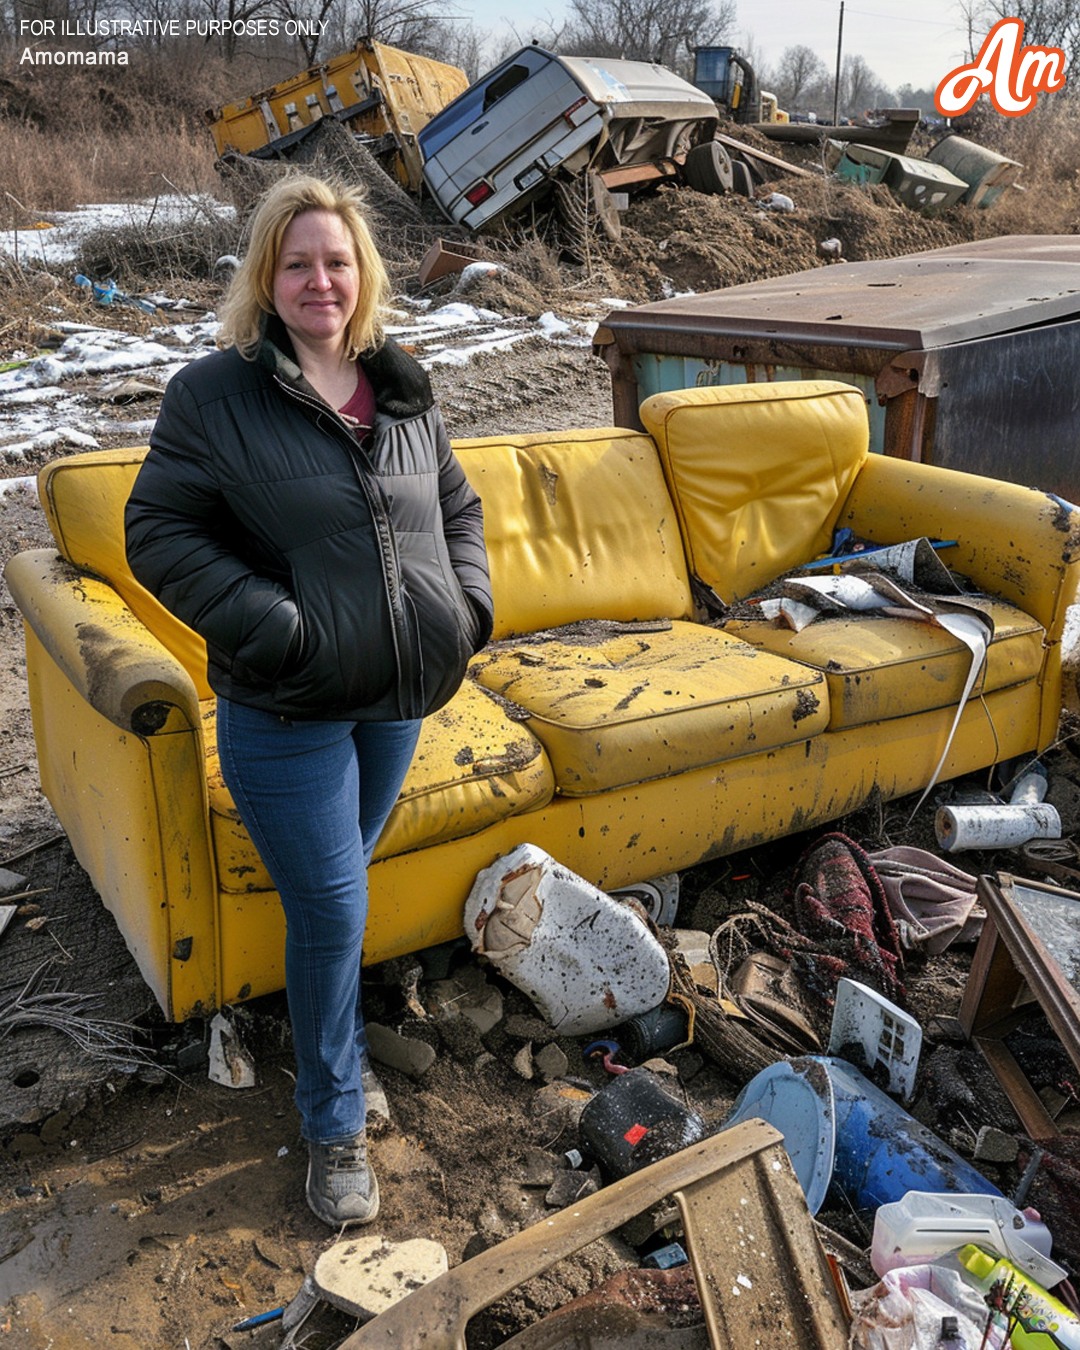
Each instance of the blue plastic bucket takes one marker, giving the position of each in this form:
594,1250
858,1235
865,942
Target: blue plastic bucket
841,1131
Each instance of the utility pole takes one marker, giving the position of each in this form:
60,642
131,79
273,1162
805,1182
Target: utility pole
836,81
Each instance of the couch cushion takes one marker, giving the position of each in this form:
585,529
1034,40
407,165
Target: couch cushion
758,472
884,667
578,525
473,766
615,705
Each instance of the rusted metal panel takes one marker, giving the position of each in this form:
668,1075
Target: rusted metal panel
921,300
372,88
1009,407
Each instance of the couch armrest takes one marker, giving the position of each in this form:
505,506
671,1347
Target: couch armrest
107,654
1012,541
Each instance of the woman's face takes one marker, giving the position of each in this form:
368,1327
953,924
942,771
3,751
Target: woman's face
317,279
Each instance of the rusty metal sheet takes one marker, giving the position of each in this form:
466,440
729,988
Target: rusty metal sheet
1024,248
986,392
918,301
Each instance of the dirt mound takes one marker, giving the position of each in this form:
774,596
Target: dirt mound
673,239
680,240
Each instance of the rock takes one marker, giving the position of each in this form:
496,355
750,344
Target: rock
55,1128
468,994
995,1146
570,1187
560,1106
539,1168
523,1062
663,1066
404,1053
551,1062
11,883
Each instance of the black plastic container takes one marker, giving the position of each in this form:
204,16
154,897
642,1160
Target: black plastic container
635,1121
652,1032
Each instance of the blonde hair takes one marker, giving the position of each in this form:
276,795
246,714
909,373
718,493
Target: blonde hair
250,296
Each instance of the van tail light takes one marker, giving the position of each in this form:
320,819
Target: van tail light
479,192
573,114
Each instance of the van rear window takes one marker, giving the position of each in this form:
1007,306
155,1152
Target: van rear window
469,107
509,79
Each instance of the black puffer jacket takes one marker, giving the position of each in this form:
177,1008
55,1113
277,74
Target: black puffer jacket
328,581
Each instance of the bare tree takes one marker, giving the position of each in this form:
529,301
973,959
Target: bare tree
312,20
1047,23
399,23
230,13
545,32
860,89
458,42
800,78
666,31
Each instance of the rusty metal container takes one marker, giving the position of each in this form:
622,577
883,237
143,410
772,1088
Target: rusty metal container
375,90
967,356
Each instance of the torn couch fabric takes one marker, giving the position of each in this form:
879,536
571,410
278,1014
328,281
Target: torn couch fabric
933,902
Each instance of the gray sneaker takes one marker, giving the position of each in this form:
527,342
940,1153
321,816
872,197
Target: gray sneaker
341,1187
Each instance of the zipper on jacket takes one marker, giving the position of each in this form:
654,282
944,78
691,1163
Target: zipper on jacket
400,625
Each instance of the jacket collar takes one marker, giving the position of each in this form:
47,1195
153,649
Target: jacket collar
401,385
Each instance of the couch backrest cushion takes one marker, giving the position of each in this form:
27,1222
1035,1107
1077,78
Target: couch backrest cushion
579,525
758,473
84,498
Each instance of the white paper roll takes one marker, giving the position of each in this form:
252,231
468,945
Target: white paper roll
962,827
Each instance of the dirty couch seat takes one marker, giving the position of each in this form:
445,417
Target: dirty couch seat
604,723
775,506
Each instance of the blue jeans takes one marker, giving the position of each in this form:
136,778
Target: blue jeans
314,797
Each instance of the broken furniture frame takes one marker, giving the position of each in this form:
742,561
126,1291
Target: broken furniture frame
755,1255
1021,960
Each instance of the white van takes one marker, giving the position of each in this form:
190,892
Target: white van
539,116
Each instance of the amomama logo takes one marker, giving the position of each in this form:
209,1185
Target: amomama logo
1012,74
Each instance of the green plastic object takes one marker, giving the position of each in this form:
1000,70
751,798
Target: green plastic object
1043,1323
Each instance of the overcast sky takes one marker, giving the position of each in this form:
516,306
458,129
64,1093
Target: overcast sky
914,42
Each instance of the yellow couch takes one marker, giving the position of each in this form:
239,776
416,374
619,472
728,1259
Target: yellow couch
604,722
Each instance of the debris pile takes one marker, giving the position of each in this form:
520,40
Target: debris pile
820,998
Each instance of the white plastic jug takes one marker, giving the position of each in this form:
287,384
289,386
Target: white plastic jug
921,1226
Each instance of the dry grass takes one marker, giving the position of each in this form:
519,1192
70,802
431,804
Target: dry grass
160,254
77,136
55,170
1047,143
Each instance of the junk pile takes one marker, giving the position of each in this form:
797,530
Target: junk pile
543,137
843,1177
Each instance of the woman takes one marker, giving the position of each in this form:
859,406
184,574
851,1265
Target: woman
301,509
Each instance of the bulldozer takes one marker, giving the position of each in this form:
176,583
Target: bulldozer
729,80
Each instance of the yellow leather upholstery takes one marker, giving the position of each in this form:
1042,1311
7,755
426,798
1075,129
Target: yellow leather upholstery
879,667
758,473
577,526
616,709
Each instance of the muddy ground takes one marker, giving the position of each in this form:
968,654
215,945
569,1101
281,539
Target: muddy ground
145,1206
